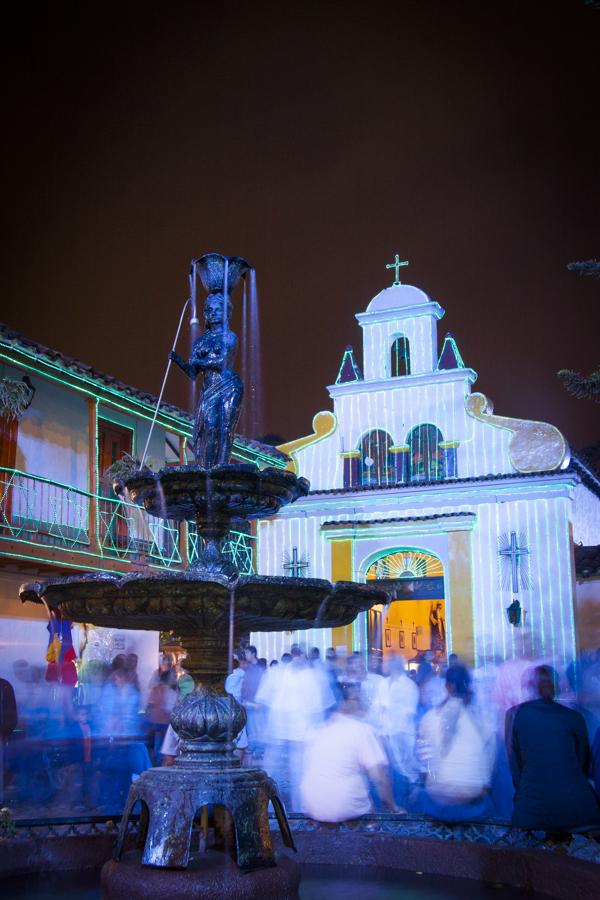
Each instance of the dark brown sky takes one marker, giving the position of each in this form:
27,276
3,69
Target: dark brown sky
316,141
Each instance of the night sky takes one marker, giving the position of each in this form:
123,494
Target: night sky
317,140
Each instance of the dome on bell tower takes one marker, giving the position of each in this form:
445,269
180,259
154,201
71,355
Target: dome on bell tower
397,296
399,330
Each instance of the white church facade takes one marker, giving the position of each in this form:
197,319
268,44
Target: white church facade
470,518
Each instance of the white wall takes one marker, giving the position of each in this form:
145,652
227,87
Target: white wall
585,516
398,409
24,635
378,338
539,513
53,434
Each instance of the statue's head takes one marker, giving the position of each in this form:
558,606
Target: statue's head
213,310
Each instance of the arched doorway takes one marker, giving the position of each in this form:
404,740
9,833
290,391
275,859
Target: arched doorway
415,619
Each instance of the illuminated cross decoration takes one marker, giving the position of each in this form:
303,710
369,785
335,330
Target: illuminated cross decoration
295,566
515,554
397,265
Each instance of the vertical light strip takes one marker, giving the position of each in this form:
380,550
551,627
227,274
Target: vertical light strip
529,514
538,590
548,580
570,579
562,587
497,581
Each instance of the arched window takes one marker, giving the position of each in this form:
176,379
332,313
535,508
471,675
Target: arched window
400,361
407,563
376,461
426,455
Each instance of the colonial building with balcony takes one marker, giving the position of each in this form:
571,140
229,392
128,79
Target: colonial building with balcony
470,518
62,424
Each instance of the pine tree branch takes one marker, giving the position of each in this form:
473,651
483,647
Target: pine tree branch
587,267
581,387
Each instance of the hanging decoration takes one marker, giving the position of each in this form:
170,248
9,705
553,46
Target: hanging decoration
15,397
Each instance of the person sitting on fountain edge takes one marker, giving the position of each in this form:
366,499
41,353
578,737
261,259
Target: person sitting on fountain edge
342,759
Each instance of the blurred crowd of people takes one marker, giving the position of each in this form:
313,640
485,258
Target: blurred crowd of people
342,735
348,735
78,748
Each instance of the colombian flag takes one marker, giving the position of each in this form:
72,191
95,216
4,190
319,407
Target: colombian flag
60,654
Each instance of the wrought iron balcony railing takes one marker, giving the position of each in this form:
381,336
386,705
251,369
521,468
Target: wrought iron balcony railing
36,511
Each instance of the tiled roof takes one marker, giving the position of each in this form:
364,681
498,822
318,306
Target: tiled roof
398,519
69,363
589,476
587,561
446,482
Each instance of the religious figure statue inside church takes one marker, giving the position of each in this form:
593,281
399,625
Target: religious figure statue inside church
437,626
220,400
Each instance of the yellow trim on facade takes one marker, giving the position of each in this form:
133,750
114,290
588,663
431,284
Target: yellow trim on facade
324,424
341,570
460,560
533,447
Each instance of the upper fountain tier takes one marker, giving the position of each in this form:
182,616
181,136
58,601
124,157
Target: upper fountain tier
217,499
224,493
211,268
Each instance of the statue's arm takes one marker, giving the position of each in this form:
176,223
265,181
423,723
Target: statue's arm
190,369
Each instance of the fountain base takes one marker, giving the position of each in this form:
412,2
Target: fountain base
209,876
205,775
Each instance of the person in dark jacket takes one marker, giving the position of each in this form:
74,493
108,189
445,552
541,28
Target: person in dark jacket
549,755
596,763
8,723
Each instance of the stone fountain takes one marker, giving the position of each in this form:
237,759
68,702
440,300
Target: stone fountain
206,605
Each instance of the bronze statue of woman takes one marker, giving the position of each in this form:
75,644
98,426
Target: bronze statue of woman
213,354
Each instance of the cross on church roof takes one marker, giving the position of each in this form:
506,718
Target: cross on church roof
397,265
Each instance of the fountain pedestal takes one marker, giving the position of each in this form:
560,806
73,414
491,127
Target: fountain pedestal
205,774
206,658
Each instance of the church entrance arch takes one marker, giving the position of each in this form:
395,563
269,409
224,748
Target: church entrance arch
415,620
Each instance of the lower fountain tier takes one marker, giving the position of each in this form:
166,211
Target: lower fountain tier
198,609
182,600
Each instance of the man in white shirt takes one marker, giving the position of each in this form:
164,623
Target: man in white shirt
398,700
341,760
296,697
234,684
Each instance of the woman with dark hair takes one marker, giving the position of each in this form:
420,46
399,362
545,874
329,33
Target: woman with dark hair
549,756
457,752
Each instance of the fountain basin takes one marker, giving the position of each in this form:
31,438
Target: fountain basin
211,268
209,876
198,608
184,601
225,492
